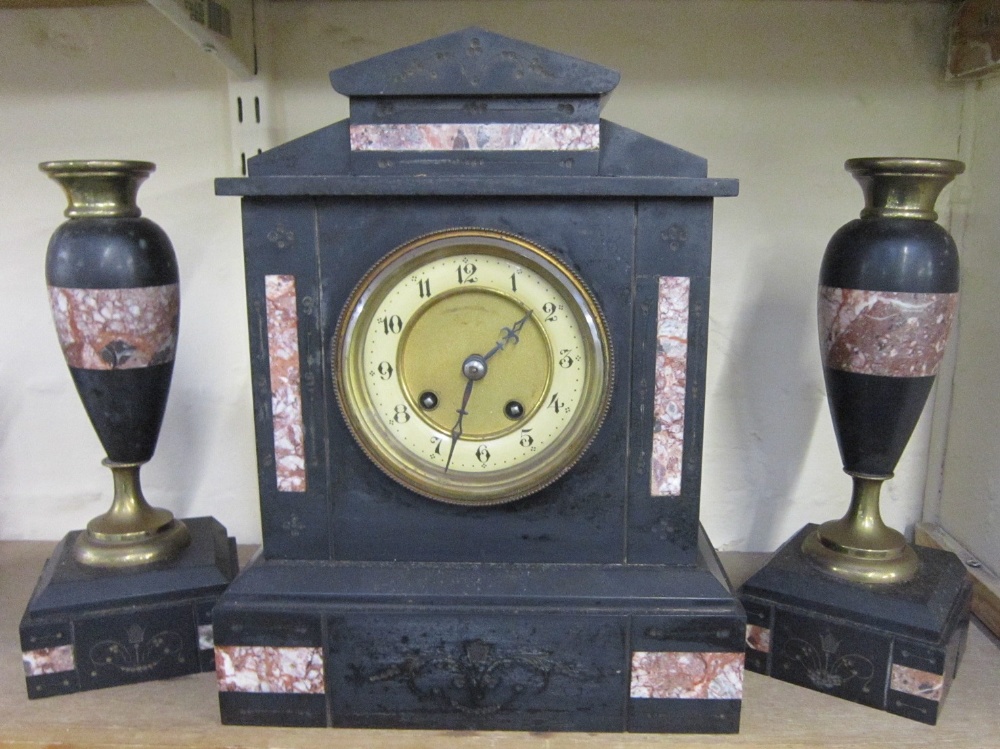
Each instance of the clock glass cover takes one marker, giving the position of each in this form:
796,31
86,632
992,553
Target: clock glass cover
472,366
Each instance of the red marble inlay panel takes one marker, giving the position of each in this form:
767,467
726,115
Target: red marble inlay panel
246,668
916,682
286,391
117,328
887,333
477,137
671,386
703,676
759,638
48,660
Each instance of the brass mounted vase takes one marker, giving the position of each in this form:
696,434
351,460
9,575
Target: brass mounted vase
115,298
888,293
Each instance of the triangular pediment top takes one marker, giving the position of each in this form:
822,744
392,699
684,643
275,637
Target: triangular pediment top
473,62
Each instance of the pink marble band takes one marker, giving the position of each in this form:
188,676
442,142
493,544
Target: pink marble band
477,137
916,682
286,392
246,668
705,676
206,637
666,460
116,328
48,660
892,334
758,638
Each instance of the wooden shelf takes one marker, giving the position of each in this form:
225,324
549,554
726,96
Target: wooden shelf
184,712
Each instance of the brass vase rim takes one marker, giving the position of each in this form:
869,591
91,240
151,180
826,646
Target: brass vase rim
870,165
97,166
100,188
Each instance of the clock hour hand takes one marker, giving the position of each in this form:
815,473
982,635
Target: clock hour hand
508,335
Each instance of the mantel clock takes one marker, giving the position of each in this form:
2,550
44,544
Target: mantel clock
478,326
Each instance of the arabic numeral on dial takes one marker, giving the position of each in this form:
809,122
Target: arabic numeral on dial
424,285
513,282
549,311
436,442
483,453
526,439
385,370
557,405
566,360
400,414
467,273
391,324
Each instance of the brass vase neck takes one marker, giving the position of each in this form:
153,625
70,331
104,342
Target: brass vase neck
860,547
902,187
102,188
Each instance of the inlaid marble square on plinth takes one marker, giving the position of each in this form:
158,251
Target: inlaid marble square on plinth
87,628
892,647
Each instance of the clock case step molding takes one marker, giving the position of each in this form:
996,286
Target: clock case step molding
595,604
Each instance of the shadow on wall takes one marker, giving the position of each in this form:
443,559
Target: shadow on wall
771,375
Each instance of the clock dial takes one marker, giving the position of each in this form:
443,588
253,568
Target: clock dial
472,366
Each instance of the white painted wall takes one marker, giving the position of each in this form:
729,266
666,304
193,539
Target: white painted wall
970,495
776,92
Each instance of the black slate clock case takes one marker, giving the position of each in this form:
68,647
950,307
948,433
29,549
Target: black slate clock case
529,615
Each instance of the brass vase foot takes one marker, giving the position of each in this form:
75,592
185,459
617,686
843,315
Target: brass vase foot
132,532
860,547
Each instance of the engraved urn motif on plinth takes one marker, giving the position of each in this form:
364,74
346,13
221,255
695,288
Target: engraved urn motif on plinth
114,291
888,293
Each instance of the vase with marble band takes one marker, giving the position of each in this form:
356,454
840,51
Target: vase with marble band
888,294
115,298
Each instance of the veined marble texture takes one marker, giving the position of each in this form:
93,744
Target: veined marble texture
477,137
705,676
286,393
116,328
246,668
892,334
759,638
671,386
916,682
48,660
206,637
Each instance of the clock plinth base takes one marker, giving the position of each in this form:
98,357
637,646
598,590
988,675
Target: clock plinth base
480,646
892,647
89,628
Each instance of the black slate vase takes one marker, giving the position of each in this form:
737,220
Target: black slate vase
888,293
115,298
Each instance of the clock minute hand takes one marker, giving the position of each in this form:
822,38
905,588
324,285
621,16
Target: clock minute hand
456,431
473,368
509,335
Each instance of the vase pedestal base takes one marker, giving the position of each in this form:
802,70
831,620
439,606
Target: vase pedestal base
88,628
893,647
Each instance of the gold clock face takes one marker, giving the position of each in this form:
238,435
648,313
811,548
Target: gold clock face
472,366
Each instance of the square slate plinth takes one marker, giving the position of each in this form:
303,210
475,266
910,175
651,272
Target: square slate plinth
892,647
88,628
